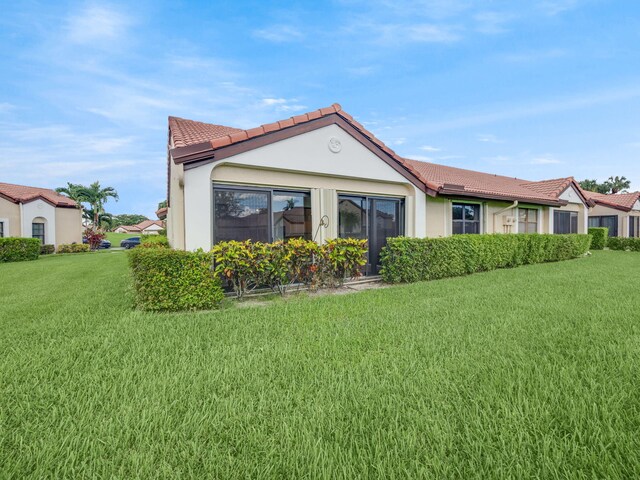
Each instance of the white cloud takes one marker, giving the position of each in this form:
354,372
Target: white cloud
279,33
422,158
544,160
492,23
488,138
533,56
96,23
429,148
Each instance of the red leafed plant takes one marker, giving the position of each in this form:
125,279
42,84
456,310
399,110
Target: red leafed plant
94,237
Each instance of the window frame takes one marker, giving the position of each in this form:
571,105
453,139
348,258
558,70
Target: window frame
538,218
599,219
251,189
1,228
44,233
480,220
571,214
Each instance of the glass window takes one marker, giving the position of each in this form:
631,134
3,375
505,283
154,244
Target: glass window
466,218
608,221
291,215
241,215
37,231
634,227
352,217
565,222
261,215
1,229
527,220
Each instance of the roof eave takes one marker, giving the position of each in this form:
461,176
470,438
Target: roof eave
494,196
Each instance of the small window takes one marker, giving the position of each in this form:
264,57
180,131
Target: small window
527,220
608,221
466,218
291,215
565,222
1,229
37,231
634,227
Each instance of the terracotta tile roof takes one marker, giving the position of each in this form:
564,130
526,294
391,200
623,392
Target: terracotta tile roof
189,132
24,194
555,187
147,223
619,201
220,136
459,181
161,213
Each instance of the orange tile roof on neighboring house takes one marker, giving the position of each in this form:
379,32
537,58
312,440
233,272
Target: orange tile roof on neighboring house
25,194
189,132
618,201
161,213
459,181
147,223
557,186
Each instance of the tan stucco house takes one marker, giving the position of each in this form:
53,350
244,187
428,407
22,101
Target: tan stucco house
619,212
39,213
322,175
146,227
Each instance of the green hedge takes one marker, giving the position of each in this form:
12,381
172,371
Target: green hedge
173,280
600,235
16,249
73,248
619,243
47,249
414,259
154,241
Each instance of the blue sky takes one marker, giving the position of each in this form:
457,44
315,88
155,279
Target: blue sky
536,89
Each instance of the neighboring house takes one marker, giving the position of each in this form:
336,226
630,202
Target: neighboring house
39,213
146,227
619,212
322,175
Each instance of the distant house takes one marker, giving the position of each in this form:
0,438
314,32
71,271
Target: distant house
619,212
146,227
39,213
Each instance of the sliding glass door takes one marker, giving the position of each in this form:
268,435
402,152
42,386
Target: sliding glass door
371,218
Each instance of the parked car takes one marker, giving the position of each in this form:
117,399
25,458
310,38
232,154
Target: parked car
104,244
130,242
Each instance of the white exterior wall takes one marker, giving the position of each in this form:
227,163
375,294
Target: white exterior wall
35,209
307,154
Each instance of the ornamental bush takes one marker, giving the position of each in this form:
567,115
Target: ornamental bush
16,249
154,241
248,265
599,237
174,280
619,243
414,259
73,248
47,249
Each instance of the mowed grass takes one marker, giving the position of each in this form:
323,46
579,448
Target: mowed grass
116,238
526,373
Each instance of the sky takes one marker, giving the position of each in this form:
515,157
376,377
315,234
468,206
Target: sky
534,89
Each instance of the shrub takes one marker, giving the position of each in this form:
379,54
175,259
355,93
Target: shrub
414,259
248,265
47,249
154,241
94,238
619,243
174,280
73,248
16,249
600,235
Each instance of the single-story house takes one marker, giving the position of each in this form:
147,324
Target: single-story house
146,227
323,175
39,213
619,212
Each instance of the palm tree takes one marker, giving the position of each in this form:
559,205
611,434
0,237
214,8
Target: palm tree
618,184
94,195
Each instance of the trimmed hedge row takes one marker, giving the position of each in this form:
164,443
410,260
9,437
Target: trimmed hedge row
17,249
413,259
154,241
73,248
47,249
619,243
599,237
174,280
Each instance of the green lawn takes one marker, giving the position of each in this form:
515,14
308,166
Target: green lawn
116,238
531,372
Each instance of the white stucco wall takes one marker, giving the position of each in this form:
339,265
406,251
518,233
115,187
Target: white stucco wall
35,209
306,154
